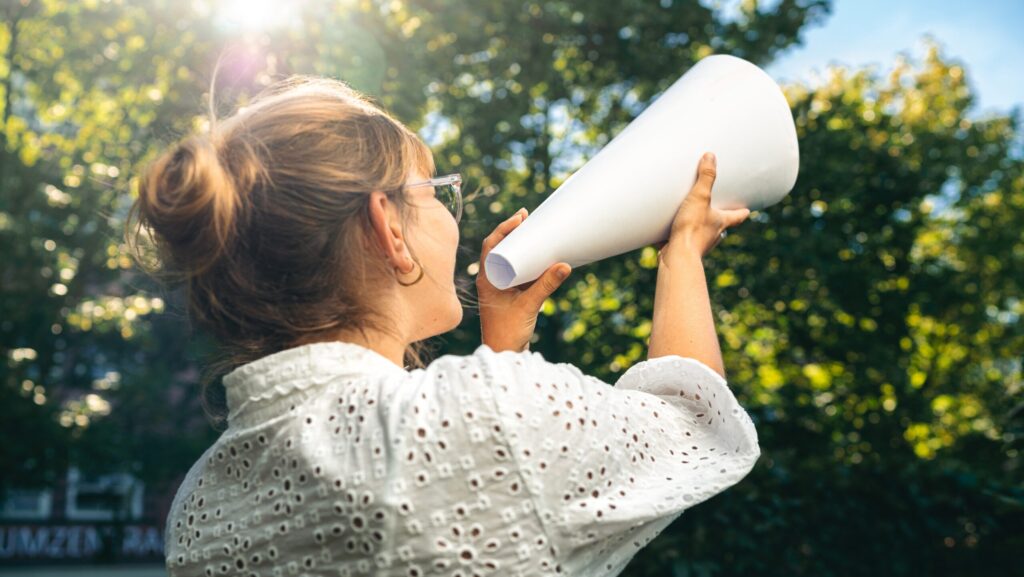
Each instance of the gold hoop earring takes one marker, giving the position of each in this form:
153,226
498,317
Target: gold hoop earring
417,278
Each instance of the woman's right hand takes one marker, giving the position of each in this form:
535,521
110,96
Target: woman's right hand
698,226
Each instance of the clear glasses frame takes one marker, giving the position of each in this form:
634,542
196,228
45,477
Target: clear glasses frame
448,190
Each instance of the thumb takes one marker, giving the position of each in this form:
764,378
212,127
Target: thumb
736,216
547,284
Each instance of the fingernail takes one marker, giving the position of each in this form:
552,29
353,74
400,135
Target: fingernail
709,157
563,272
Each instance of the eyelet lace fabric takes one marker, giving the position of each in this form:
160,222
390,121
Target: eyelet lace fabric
338,462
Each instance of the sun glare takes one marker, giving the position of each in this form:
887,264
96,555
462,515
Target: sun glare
254,15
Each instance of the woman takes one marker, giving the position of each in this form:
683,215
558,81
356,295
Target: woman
316,247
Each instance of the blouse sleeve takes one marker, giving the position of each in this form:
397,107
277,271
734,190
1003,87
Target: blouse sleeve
610,467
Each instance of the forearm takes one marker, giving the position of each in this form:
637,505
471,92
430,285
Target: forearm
683,324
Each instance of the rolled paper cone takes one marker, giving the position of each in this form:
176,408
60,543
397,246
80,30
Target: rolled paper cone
628,194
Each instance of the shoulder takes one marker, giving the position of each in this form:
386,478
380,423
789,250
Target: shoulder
490,384
485,365
522,366
452,373
489,388
528,380
455,392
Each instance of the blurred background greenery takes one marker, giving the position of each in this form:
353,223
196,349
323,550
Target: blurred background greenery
870,322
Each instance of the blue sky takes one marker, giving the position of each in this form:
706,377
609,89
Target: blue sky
987,36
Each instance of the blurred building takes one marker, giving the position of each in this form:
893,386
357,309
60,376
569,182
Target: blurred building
105,519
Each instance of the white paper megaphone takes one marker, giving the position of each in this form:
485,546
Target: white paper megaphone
628,194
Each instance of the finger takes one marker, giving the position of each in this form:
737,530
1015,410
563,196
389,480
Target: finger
546,284
501,232
706,172
506,226
734,217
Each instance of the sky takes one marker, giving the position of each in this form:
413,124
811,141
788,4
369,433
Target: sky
987,36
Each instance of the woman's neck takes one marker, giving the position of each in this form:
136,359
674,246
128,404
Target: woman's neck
386,345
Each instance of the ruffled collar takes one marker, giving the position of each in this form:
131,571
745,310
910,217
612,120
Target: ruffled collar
280,374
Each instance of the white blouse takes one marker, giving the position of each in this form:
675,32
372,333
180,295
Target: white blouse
336,461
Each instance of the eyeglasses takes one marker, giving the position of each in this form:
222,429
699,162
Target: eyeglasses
448,190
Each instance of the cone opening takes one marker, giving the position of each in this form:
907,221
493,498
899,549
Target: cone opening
499,271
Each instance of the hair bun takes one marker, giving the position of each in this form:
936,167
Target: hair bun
189,199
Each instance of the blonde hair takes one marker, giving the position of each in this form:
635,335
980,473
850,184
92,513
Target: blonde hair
263,219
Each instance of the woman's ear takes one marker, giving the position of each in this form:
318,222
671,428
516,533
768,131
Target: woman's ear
387,231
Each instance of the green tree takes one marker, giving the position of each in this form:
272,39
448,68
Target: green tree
88,90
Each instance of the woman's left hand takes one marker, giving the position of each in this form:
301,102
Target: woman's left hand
508,317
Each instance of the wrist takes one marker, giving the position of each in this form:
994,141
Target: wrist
506,347
498,345
681,254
